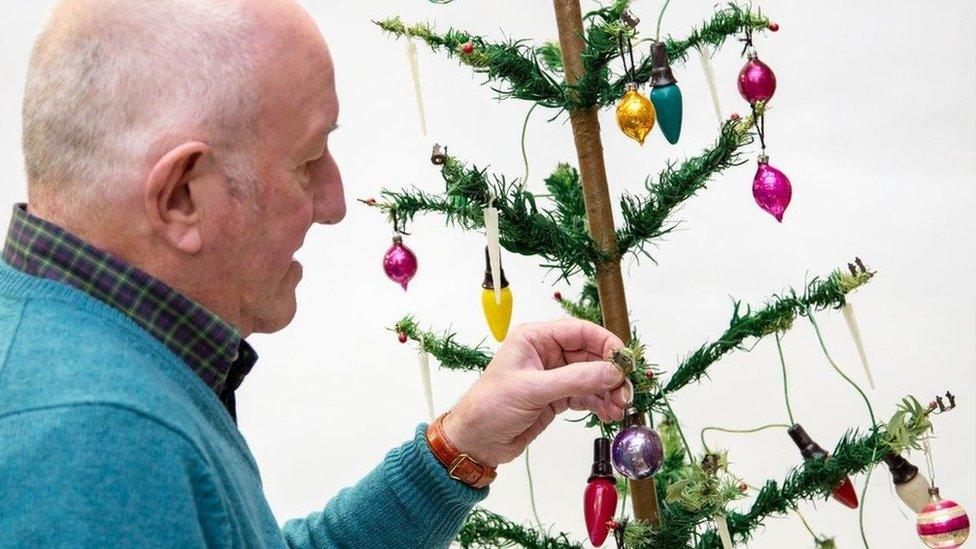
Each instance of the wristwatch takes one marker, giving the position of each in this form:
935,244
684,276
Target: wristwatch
460,466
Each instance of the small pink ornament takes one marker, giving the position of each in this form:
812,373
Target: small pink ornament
400,263
942,523
771,189
756,80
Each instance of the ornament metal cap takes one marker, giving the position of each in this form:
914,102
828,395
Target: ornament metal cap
630,86
602,468
661,74
934,496
808,448
763,158
489,282
632,417
439,155
752,54
902,471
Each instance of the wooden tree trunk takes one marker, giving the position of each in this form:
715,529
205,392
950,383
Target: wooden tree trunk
589,149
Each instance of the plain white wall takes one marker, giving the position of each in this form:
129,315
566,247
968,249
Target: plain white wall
874,123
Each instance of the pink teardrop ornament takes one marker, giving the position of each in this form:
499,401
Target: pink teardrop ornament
772,189
400,263
756,80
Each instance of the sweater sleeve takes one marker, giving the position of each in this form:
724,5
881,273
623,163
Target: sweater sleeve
102,476
407,501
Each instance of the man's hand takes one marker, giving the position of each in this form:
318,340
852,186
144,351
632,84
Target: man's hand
540,371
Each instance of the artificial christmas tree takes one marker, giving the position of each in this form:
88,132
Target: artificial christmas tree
679,499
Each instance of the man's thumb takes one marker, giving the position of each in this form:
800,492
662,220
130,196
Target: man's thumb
581,379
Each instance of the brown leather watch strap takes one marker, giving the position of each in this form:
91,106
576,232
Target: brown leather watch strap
459,466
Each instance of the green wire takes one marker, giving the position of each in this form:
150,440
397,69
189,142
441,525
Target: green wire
786,388
739,431
525,155
874,423
677,425
823,346
661,18
623,507
860,511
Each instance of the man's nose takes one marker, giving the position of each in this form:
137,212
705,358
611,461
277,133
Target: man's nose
329,196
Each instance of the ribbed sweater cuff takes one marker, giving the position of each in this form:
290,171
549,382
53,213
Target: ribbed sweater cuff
425,488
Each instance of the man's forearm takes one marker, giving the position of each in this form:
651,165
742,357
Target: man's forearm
407,501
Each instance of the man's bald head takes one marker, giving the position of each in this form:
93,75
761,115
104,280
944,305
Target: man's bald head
112,82
189,138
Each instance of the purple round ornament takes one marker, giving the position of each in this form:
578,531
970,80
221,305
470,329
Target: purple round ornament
771,189
756,80
400,263
637,452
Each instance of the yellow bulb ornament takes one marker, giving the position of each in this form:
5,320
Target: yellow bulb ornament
498,308
636,114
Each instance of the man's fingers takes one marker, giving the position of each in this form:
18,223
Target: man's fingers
588,403
578,380
579,355
623,396
570,340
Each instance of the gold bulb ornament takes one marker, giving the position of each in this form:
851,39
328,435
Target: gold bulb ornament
635,114
497,306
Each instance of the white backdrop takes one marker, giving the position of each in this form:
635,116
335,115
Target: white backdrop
874,123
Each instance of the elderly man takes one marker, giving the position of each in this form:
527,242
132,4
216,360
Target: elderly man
177,154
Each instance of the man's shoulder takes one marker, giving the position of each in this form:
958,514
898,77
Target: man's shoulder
103,472
56,353
95,427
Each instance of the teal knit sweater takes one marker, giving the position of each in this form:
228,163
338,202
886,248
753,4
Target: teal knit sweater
107,439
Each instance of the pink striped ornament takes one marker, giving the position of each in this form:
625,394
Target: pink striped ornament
942,523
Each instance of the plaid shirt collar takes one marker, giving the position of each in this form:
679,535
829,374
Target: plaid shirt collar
210,347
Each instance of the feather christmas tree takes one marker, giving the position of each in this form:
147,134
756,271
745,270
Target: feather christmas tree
688,501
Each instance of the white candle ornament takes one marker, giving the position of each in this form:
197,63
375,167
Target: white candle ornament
706,63
722,526
415,74
494,248
424,360
848,311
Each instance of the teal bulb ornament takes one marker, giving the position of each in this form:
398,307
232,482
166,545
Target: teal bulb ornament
665,93
667,102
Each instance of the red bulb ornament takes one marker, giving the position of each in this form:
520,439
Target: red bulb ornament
756,80
600,496
844,491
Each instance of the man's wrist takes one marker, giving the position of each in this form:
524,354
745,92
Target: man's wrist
460,433
460,465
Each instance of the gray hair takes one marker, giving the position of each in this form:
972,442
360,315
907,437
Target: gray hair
113,83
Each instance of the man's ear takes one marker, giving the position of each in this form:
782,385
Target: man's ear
174,212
